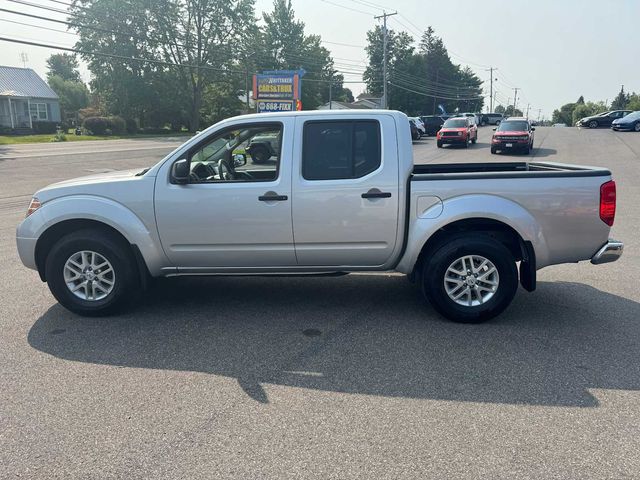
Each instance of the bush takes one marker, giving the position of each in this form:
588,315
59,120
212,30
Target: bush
96,125
45,127
59,137
132,126
117,125
155,131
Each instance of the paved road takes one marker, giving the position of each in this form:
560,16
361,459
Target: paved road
350,377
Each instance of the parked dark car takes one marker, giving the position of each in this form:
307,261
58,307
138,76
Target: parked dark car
516,133
629,122
604,119
415,132
432,123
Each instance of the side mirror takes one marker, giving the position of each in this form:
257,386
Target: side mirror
239,160
533,129
495,128
180,172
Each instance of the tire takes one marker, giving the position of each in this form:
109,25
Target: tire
474,140
493,150
527,150
259,154
637,127
439,144
466,144
111,248
445,256
593,124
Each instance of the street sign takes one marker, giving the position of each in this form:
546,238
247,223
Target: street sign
265,106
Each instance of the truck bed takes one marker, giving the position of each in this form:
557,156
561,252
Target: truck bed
444,171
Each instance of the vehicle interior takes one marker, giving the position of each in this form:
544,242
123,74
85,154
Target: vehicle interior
226,157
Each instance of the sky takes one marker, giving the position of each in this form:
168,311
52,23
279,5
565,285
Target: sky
552,50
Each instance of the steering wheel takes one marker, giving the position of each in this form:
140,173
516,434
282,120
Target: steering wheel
225,172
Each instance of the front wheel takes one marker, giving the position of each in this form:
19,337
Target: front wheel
593,124
637,127
91,272
494,150
439,144
470,278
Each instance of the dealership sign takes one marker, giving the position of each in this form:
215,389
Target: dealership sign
277,90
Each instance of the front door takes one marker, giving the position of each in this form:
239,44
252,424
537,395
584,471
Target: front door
235,212
345,189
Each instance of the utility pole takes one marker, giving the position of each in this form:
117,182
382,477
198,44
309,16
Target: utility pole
491,70
385,40
539,112
515,100
528,105
436,85
331,92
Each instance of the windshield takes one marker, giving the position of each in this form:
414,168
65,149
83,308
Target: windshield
513,125
455,123
632,116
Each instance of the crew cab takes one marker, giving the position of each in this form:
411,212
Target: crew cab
457,131
514,133
342,195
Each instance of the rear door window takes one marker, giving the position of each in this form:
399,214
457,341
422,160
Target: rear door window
340,149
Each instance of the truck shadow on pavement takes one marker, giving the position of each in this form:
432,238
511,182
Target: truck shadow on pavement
365,334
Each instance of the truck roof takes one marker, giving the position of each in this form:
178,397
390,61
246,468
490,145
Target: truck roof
324,113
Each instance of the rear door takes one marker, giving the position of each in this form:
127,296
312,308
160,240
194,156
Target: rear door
345,190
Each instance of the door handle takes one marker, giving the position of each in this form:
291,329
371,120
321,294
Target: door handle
375,193
272,197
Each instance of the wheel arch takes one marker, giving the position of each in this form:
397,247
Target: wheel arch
68,214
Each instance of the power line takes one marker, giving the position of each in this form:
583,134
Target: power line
429,95
347,8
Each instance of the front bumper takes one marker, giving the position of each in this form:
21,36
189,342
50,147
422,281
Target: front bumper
515,145
609,252
621,127
461,140
27,251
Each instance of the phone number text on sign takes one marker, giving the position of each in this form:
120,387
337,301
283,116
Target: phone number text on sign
275,106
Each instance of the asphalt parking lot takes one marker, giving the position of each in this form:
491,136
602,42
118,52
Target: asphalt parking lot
348,377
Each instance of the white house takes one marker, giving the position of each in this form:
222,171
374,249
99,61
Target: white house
25,98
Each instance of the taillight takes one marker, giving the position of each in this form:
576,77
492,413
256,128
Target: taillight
608,202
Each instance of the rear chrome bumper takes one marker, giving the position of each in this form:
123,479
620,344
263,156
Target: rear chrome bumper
609,252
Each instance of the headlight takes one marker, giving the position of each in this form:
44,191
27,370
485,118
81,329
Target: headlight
459,134
33,206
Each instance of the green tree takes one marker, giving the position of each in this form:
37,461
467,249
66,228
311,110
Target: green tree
621,100
509,112
564,114
634,102
500,109
283,45
64,66
421,80
73,96
586,110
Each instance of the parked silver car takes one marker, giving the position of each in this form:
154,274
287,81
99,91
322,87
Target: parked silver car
342,195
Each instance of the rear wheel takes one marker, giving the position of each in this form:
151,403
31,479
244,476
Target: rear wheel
470,278
91,272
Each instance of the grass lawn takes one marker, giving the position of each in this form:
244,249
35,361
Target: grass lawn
46,138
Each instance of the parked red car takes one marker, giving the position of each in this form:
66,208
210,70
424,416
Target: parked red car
457,130
514,133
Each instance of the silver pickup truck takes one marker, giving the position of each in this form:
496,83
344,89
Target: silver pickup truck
341,195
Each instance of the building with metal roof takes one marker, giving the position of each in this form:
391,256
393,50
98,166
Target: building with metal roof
25,98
